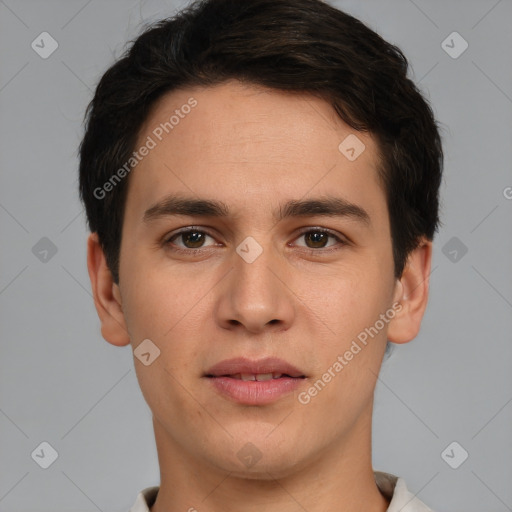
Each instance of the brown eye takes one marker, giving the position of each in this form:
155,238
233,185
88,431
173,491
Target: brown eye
192,239
317,239
188,239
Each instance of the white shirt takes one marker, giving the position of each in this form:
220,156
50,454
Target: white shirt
391,486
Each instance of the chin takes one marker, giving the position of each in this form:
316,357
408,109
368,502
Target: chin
259,457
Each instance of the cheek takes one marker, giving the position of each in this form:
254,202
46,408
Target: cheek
156,300
347,367
159,308
349,301
170,309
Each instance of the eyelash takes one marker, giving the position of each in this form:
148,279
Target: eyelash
168,241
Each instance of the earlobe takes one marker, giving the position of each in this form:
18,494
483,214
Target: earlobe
106,294
412,294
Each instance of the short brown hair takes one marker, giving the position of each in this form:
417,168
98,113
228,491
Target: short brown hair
289,45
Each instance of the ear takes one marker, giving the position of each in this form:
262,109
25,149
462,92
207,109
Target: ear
106,294
412,293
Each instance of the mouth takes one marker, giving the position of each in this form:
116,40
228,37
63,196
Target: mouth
241,368
250,382
260,377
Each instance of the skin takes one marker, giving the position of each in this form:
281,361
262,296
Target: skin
254,149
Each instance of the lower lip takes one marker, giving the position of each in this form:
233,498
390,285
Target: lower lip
255,392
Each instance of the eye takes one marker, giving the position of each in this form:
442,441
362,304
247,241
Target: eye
318,238
191,238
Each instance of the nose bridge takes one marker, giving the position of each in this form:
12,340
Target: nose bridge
255,296
252,268
254,283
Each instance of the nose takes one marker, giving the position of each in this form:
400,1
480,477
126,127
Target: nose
256,295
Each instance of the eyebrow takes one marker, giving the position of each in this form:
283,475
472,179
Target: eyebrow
324,206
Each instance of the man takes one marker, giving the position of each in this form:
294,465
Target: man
261,183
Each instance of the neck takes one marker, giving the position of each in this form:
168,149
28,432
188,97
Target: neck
340,479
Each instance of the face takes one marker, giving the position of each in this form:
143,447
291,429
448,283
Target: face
249,232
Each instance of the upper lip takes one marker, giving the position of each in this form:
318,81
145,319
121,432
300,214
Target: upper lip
248,366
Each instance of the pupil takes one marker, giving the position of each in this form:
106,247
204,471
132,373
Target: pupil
193,238
317,238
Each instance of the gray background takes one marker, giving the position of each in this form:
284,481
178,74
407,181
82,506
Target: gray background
60,382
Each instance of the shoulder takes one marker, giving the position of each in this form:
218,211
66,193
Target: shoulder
395,489
145,499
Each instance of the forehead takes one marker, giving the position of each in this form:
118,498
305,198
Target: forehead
242,144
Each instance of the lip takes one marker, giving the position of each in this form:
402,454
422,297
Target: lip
254,392
244,365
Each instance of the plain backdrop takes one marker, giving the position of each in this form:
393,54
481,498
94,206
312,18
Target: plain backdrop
62,384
